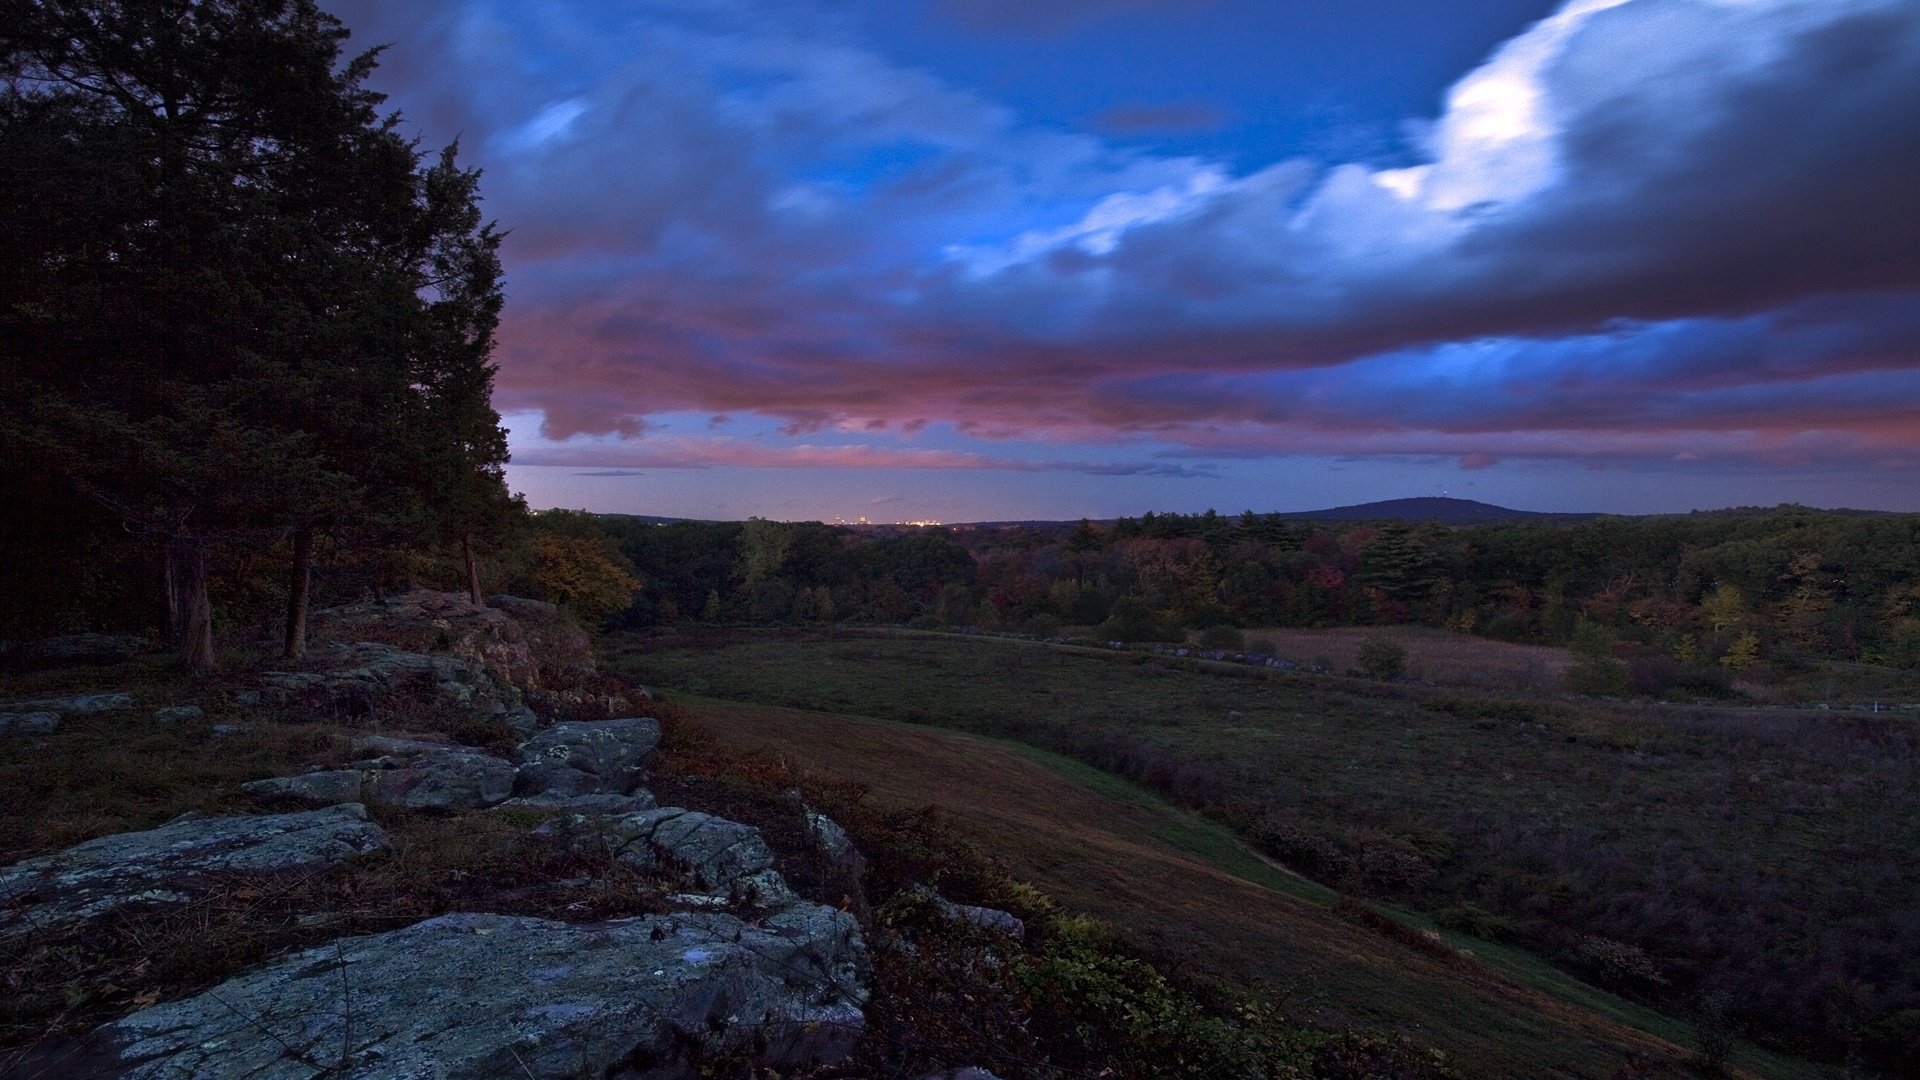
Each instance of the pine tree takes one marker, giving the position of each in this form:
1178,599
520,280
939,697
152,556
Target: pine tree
243,310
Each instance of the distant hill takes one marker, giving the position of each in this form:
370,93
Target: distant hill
1444,511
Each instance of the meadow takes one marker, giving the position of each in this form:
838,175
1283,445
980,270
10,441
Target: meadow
1751,863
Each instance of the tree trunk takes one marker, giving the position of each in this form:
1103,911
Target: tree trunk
473,571
299,593
187,601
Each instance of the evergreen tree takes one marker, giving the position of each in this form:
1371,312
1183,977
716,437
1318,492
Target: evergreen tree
241,309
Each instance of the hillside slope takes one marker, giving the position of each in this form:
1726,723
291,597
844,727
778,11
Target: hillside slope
1113,851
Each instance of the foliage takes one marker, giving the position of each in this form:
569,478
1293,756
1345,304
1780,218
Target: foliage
1223,637
1715,592
1130,619
578,575
1381,658
241,305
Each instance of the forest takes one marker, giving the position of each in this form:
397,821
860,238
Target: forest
1684,604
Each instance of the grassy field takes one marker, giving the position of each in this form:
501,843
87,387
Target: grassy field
1184,887
1760,854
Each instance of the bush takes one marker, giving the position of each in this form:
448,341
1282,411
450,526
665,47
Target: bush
1381,658
1475,920
1041,626
1223,637
1599,677
1132,620
1618,966
1659,676
1713,1031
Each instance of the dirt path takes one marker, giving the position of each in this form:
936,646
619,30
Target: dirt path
1102,854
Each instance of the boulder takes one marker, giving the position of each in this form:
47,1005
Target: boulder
357,677
524,642
588,757
986,918
833,844
483,996
78,704
325,788
73,649
172,865
604,804
410,774
711,855
29,723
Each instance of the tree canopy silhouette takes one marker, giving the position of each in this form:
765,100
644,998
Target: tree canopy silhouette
241,306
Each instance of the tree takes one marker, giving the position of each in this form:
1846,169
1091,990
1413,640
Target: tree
580,576
238,305
1083,541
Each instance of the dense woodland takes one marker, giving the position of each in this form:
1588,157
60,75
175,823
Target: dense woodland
1681,603
248,323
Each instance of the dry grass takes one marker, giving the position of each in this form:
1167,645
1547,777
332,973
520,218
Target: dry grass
1447,658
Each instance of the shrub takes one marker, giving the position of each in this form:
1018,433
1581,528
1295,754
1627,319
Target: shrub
1223,637
1619,966
1131,620
1713,1031
1041,626
1381,658
1475,920
1599,677
1097,1002
1393,868
1300,848
1659,676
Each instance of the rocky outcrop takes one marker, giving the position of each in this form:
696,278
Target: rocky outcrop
76,704
524,642
29,723
708,856
835,847
740,969
409,774
497,996
77,649
588,757
986,918
589,766
604,804
358,677
175,864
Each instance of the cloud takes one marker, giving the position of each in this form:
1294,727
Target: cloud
1640,226
688,452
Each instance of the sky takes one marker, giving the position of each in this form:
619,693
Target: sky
995,259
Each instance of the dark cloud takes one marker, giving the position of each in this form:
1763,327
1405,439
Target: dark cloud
1663,221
